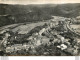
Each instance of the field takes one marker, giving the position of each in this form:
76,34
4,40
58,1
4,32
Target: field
76,28
24,29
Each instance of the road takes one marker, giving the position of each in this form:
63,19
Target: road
70,28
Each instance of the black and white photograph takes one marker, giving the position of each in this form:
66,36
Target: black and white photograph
39,28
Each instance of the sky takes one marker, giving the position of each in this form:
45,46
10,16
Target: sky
25,2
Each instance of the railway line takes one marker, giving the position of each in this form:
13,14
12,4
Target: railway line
71,29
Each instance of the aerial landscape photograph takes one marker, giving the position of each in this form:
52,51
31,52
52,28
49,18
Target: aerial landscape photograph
39,28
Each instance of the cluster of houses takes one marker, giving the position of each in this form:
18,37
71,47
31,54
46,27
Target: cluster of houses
65,44
17,47
37,38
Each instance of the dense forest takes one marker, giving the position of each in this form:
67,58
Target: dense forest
10,14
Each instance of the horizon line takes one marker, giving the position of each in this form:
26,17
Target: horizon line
37,3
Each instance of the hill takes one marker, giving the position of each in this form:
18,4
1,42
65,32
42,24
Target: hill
10,14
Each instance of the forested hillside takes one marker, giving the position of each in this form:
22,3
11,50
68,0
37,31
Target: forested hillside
10,14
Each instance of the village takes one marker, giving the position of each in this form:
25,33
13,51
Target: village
54,33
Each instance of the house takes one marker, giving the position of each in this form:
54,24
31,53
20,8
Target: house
17,47
45,40
41,31
9,49
38,42
62,46
30,38
78,17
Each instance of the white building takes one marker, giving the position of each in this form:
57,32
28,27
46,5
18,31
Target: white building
41,31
